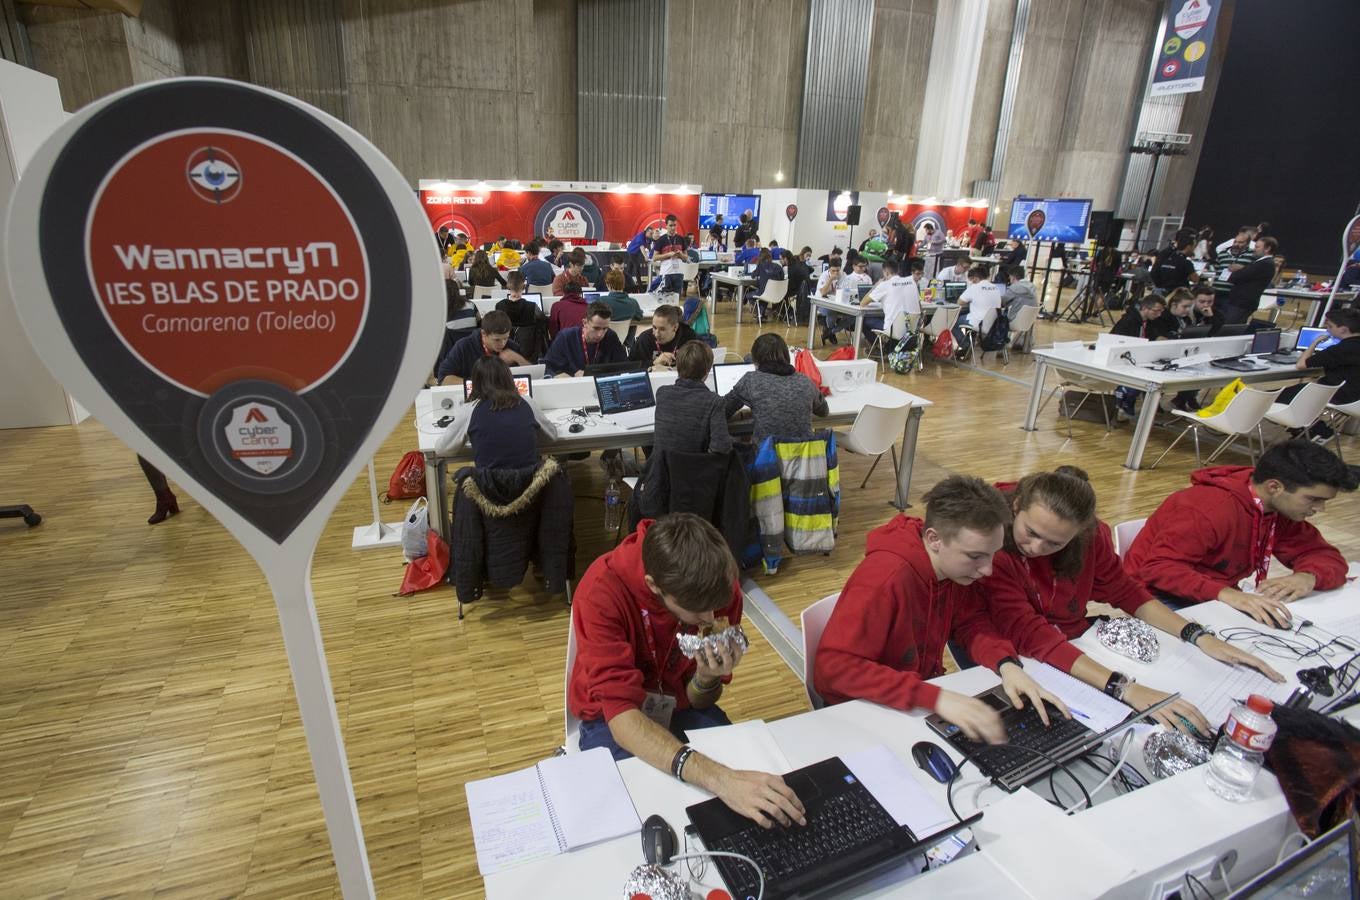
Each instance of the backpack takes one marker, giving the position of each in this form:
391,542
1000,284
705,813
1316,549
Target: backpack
1000,333
408,480
905,355
943,348
963,342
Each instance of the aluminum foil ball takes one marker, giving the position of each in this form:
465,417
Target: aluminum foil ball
727,638
1133,638
656,883
1169,752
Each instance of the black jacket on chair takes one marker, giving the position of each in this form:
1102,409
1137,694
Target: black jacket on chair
711,485
505,518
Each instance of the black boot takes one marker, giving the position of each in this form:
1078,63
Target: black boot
167,505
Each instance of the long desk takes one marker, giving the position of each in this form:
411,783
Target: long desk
1317,298
849,394
738,284
1154,384
1122,847
646,302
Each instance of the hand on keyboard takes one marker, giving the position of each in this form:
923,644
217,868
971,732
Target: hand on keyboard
761,797
976,719
1020,687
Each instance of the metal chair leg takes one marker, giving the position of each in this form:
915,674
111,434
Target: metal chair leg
871,471
1224,446
1175,442
1197,462
893,451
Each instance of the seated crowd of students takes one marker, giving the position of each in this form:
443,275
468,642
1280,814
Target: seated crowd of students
993,572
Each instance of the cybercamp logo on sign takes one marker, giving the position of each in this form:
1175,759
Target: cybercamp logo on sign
569,216
259,438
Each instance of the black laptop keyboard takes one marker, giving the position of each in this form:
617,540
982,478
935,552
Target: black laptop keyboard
1024,728
847,827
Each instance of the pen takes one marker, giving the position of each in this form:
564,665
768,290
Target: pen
1078,713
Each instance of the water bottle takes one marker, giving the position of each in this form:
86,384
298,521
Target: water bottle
1246,737
613,510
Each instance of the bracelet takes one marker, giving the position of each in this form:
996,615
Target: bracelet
705,688
1008,659
678,763
1193,631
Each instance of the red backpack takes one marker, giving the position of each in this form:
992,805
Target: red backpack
408,481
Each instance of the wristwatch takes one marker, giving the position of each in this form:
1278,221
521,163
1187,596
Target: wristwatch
1118,685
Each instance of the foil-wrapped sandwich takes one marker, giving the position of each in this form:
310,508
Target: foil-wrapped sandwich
1133,638
1169,752
725,639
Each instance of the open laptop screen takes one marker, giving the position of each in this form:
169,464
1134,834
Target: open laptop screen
621,393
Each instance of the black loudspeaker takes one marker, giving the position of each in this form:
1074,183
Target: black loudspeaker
852,215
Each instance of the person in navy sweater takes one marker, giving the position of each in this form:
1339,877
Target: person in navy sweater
501,424
637,248
492,339
590,343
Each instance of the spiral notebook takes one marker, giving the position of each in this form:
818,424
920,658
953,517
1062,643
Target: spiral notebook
559,804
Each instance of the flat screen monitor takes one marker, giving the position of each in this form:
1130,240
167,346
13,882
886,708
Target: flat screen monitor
726,376
708,256
1308,335
1267,341
535,299
1049,219
1234,329
592,296
730,206
623,393
523,383
1322,868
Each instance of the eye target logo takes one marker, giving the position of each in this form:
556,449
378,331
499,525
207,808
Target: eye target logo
214,174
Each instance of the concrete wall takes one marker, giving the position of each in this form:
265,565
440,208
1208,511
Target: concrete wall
85,51
899,59
734,88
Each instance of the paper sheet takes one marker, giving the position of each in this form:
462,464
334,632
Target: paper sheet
1093,708
1215,687
748,745
894,784
588,795
510,821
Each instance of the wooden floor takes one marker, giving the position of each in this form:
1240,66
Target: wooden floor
149,739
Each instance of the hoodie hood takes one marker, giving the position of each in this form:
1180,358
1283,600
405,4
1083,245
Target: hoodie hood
900,536
1236,480
1021,288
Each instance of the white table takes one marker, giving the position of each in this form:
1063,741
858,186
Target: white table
1154,384
558,395
1122,847
738,284
1317,298
844,309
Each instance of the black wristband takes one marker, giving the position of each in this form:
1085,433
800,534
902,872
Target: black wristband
1008,659
1191,632
677,759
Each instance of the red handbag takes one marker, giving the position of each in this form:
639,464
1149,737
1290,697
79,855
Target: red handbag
943,348
840,354
806,363
428,570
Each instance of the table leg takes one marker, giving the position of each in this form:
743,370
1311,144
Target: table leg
812,324
1146,416
435,495
739,296
1036,393
859,330
909,433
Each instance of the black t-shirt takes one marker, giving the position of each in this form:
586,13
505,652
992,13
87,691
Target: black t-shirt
521,312
1341,363
1173,270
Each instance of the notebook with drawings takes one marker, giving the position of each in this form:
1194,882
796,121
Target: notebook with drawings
560,804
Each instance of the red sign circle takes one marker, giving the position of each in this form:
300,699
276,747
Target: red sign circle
254,268
1170,68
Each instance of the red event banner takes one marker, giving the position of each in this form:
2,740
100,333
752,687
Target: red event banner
580,217
944,215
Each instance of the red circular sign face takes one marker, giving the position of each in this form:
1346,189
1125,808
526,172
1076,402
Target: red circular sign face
218,257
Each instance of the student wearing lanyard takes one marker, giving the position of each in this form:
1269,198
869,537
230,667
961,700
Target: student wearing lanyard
1215,539
491,339
1058,557
909,596
590,343
631,687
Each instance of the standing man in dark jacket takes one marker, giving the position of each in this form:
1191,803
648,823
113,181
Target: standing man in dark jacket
1247,283
1173,268
800,281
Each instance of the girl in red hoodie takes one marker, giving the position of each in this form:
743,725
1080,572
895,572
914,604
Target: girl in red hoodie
1058,557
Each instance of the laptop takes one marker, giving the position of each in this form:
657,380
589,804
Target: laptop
626,399
1236,329
536,371
708,256
1061,740
726,375
1289,354
628,365
849,838
1308,335
1325,867
1194,331
523,383
592,296
1263,343
535,299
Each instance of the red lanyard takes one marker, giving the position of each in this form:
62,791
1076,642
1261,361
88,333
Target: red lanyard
584,354
651,648
1262,562
1033,590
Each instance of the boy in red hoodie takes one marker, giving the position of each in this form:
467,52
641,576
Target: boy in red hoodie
1215,539
908,597
1058,557
631,687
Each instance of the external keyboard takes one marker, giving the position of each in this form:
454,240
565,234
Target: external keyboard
1024,729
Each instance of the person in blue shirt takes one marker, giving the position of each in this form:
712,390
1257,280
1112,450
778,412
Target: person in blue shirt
776,251
590,343
537,272
492,339
637,249
748,253
767,268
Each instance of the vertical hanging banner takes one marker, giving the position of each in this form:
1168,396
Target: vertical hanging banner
227,278
1187,36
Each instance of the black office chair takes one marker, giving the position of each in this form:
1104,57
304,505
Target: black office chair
21,511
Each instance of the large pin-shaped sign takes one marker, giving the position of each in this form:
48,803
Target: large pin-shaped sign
245,291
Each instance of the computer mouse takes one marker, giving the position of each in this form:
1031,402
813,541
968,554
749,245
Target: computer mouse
934,761
576,428
658,840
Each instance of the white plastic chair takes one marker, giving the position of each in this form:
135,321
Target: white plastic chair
1022,331
875,432
1340,413
1241,416
483,290
1124,533
1088,387
689,271
1306,408
572,725
775,293
907,323
942,319
988,320
814,620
